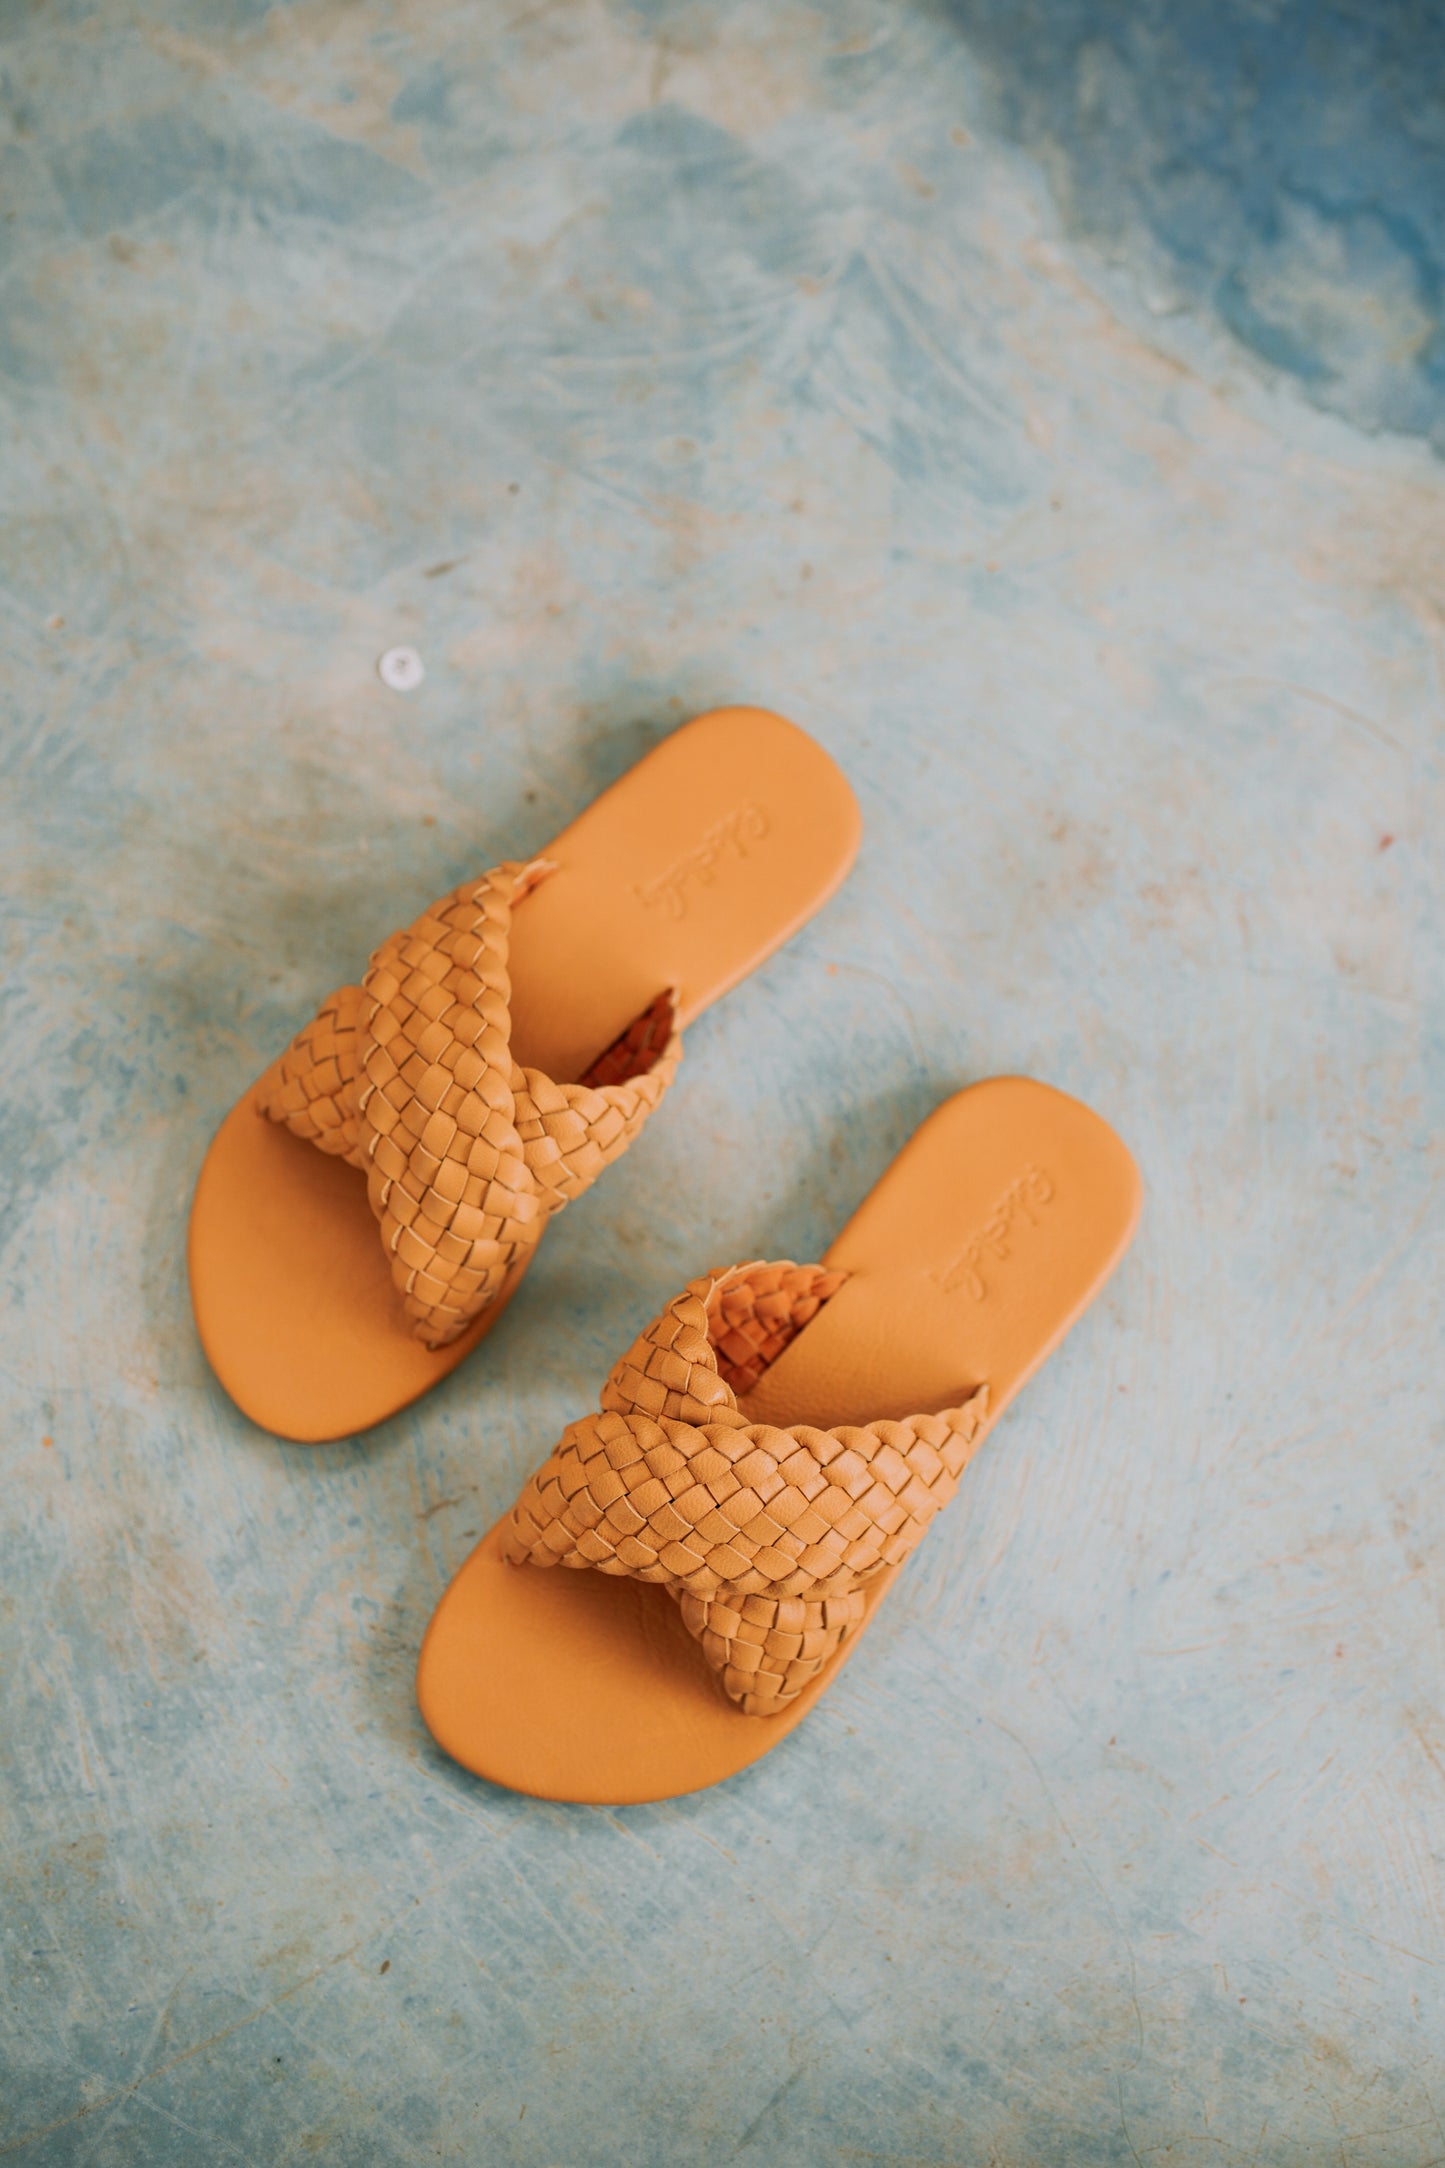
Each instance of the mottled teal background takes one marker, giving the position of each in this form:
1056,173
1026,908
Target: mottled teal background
1037,403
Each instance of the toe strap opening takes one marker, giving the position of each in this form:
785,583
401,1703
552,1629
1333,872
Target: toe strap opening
637,1050
754,1314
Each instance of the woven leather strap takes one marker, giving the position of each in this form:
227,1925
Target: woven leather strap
410,1077
767,1538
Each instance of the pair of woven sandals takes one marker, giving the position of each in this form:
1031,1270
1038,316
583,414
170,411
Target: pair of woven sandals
689,1568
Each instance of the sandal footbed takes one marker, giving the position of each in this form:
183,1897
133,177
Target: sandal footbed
686,873
991,1232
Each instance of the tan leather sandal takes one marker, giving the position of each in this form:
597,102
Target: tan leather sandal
757,1473
370,1205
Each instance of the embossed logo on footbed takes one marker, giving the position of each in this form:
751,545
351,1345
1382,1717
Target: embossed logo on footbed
1026,1197
732,836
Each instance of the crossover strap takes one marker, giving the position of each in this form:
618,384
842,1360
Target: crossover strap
410,1078
767,1538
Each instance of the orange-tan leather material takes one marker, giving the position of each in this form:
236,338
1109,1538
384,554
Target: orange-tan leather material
673,884
410,1077
766,1537
996,1226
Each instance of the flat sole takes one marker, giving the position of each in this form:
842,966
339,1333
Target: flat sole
688,872
988,1236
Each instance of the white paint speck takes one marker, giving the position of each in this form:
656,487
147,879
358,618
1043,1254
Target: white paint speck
402,669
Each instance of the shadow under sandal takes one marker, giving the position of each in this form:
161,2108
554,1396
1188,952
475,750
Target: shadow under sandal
689,1569
369,1207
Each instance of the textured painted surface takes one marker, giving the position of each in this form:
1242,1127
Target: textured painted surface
626,361
1282,164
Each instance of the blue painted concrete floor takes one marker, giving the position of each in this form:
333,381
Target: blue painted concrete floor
1037,403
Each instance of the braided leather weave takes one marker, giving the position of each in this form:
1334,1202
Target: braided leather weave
410,1077
767,1538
